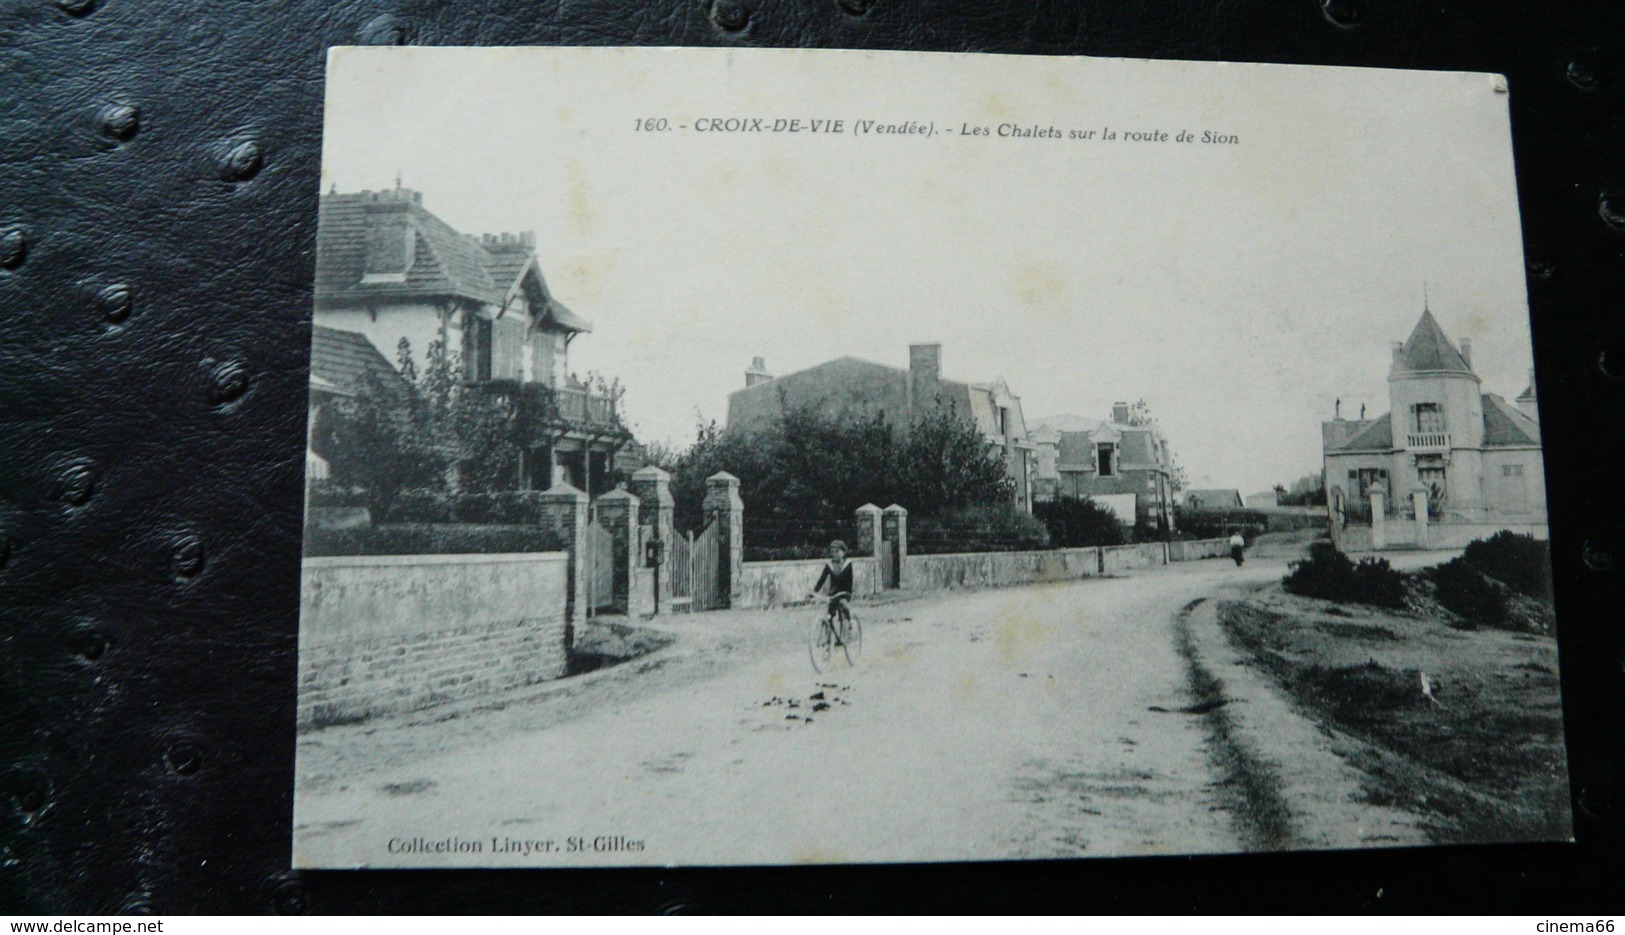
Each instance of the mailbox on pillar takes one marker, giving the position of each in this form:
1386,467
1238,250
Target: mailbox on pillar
653,551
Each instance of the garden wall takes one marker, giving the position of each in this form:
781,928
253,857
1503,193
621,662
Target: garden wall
769,584
1115,558
1198,549
389,633
997,569
1401,534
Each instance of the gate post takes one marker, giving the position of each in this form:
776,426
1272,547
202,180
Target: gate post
868,540
894,531
722,505
1379,518
1419,503
566,510
618,513
656,513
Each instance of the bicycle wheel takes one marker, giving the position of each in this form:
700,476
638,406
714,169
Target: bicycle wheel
821,644
852,640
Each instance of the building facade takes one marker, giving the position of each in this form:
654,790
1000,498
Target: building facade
390,271
1475,457
862,388
1082,457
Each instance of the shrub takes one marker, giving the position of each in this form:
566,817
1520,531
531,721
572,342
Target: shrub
1328,574
424,506
1465,591
989,528
431,539
1376,583
1074,522
503,508
324,494
1522,563
1219,524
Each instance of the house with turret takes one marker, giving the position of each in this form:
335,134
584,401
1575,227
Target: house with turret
1472,457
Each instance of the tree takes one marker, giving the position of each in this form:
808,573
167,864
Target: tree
811,467
378,441
1079,522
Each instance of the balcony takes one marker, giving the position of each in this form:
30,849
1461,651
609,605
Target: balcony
583,407
539,412
1427,441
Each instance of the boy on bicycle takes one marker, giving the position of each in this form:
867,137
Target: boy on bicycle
838,572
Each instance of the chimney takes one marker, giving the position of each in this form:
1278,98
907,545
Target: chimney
757,372
1467,351
527,239
924,371
1526,403
1120,413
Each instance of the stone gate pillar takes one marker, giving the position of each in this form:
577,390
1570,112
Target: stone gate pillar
618,514
722,505
656,515
894,536
1419,502
566,511
1379,517
867,538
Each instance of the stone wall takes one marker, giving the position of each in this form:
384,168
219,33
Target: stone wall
1115,558
1199,549
997,569
389,633
769,584
1402,534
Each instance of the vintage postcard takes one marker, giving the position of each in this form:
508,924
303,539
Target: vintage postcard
766,457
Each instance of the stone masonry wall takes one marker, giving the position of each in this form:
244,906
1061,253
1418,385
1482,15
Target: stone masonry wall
769,584
997,569
388,634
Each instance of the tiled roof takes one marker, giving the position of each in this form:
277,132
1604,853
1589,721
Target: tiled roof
1428,349
1505,425
1378,435
386,245
341,358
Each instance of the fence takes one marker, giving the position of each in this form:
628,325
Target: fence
779,539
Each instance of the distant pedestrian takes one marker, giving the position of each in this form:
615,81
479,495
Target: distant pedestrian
1236,545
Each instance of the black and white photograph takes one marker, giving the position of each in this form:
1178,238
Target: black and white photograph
715,461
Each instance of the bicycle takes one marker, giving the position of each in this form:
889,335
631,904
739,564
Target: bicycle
840,627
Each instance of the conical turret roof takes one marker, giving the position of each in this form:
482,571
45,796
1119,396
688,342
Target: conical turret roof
1428,349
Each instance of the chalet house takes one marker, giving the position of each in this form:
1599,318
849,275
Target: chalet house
1475,456
1106,460
390,271
850,385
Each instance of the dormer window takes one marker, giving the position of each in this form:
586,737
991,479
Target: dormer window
1106,463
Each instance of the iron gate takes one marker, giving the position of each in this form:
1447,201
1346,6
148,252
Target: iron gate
693,562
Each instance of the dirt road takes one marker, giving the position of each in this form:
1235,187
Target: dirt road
1025,722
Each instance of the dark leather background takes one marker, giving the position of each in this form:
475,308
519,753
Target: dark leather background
158,181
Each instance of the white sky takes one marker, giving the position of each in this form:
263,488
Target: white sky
1238,289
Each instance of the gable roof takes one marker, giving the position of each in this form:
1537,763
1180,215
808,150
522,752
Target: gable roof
1215,496
1428,349
1505,425
1378,435
341,359
386,245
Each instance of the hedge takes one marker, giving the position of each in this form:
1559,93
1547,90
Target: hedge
431,539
